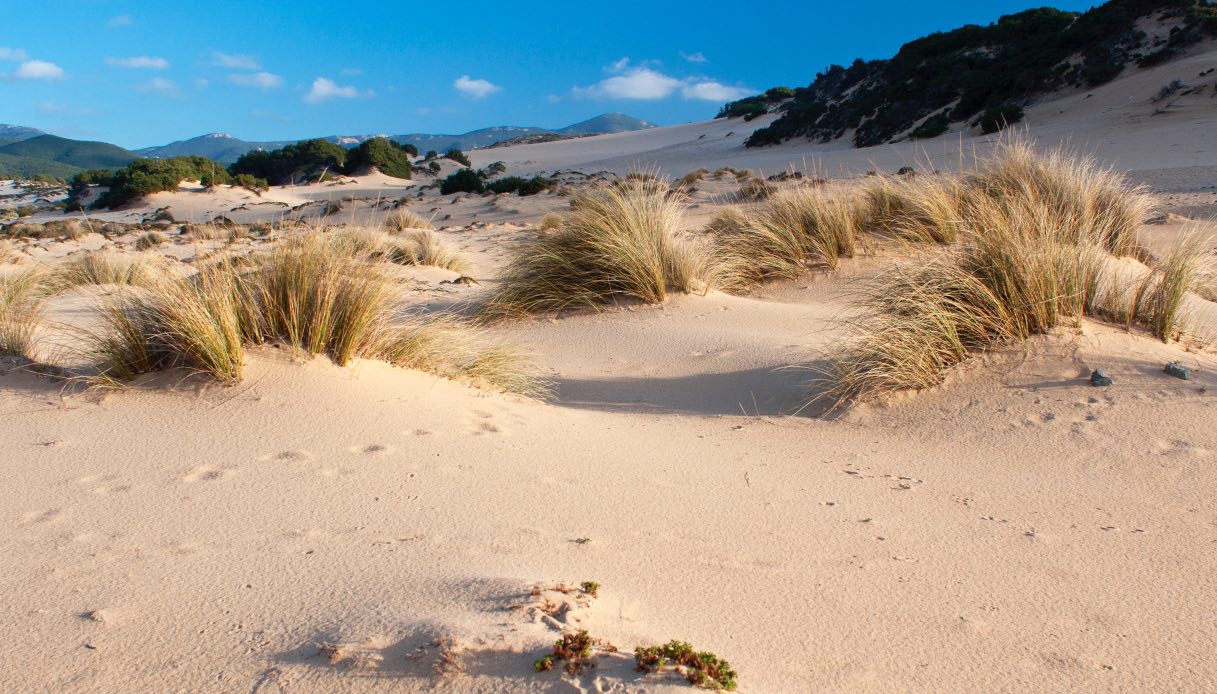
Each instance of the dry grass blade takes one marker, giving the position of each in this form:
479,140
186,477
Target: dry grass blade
106,267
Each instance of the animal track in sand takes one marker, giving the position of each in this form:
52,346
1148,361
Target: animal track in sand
207,473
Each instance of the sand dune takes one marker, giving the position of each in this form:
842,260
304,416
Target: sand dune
369,528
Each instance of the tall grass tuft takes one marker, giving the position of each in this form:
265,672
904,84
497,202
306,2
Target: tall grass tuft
22,295
312,293
794,228
618,241
106,267
402,219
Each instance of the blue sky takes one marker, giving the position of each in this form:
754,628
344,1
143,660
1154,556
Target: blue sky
147,73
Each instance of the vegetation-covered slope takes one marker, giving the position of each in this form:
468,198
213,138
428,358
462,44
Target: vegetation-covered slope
979,73
78,153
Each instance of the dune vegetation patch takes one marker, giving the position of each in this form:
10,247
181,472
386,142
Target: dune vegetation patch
106,267
619,241
23,294
1038,237
310,293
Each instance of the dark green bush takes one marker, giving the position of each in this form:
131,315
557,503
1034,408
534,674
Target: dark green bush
302,161
251,183
457,156
933,126
144,177
519,185
386,155
462,181
998,117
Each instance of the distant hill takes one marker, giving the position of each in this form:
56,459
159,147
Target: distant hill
12,166
78,153
216,146
16,133
607,123
979,75
226,149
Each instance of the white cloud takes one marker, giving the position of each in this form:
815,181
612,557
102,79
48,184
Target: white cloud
158,84
235,62
12,54
325,89
264,80
697,57
644,83
38,70
140,61
475,89
121,20
638,83
710,90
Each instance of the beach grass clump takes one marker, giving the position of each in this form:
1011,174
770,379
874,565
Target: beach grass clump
795,228
193,323
425,247
552,221
23,293
618,241
926,209
310,293
403,219
106,267
150,239
701,668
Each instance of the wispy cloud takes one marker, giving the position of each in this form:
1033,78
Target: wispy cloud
475,88
350,71
50,108
159,85
263,80
325,89
122,20
235,62
12,54
140,62
710,90
38,70
697,57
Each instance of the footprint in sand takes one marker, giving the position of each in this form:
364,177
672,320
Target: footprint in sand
289,456
371,449
39,517
206,473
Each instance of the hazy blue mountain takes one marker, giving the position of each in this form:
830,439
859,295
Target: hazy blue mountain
16,133
226,149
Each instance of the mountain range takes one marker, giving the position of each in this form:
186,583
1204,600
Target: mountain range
26,152
226,149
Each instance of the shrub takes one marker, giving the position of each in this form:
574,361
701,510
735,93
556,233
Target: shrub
255,185
933,126
999,117
462,181
521,186
304,160
458,156
389,157
618,241
146,176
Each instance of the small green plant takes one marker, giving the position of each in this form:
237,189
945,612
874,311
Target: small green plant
577,649
590,588
458,156
702,668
